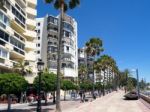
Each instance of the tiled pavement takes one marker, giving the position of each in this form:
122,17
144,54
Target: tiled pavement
112,102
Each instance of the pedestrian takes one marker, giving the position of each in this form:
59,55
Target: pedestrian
83,97
80,93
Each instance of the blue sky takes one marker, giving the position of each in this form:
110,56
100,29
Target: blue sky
123,25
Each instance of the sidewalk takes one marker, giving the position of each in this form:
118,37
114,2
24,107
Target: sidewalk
112,102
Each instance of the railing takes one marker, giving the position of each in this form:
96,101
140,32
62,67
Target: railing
147,93
145,97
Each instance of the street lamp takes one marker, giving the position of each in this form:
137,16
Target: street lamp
40,67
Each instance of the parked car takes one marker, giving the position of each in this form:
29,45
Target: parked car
131,96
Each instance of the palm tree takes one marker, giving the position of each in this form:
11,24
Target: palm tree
107,65
22,67
82,73
93,49
63,6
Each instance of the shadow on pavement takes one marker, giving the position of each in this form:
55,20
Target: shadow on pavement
42,104
27,110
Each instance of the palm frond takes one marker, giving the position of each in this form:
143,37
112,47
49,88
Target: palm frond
73,3
49,1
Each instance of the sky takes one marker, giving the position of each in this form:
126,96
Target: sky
123,26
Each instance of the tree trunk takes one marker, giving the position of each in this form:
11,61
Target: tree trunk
93,88
21,97
65,95
58,106
9,103
54,99
45,97
103,84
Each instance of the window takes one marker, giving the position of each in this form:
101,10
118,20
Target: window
17,43
63,65
7,5
38,38
38,24
67,48
18,16
4,36
3,53
38,31
38,52
38,45
67,34
4,19
52,20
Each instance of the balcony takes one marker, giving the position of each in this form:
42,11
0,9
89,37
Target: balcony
22,3
17,54
29,46
31,11
17,25
32,3
30,34
69,72
9,47
31,23
6,63
30,56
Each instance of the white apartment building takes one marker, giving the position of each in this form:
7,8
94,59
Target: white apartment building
83,59
17,32
47,41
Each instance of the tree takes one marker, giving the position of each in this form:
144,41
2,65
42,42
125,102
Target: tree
63,6
22,67
11,83
86,85
48,83
67,85
82,70
93,49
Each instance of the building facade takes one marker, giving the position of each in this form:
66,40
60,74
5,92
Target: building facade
17,33
47,28
87,61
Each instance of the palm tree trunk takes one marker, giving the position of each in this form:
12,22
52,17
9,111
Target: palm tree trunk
93,88
104,84
58,106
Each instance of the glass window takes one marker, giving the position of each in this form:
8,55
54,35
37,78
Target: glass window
7,5
6,37
4,54
13,10
67,48
0,52
1,34
1,16
38,52
38,24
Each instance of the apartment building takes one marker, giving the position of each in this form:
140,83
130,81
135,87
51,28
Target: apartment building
47,40
87,61
17,33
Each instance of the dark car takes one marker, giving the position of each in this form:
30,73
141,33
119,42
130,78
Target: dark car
131,96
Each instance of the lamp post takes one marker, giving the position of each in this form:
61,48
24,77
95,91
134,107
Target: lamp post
40,67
